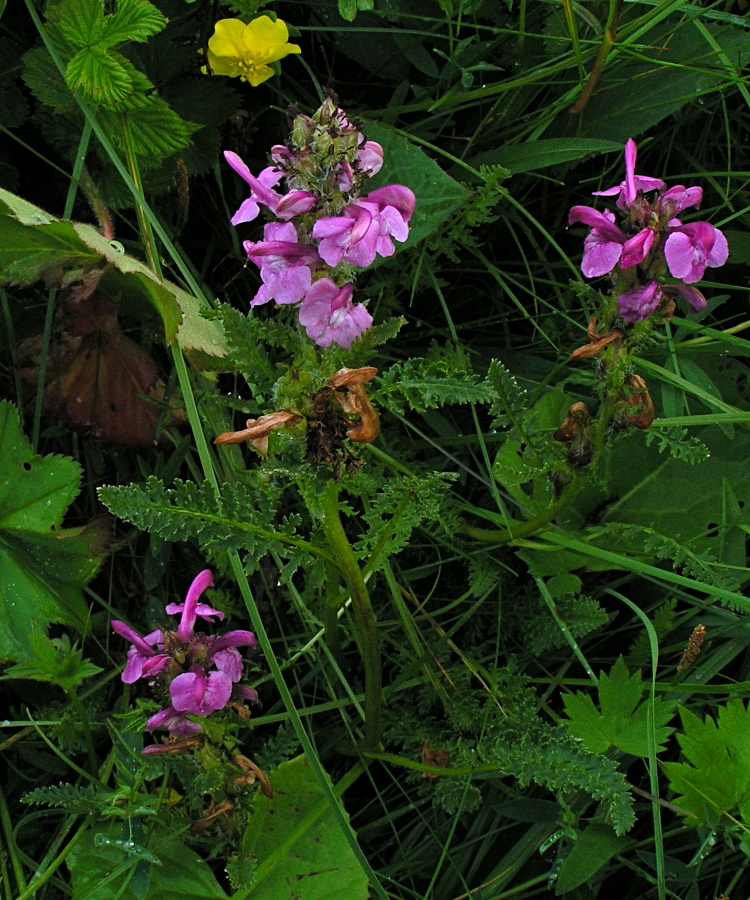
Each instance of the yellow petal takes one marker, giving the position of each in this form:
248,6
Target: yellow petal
224,65
258,74
266,41
228,38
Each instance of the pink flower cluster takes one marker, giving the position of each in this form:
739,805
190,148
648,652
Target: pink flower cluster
324,229
197,672
649,241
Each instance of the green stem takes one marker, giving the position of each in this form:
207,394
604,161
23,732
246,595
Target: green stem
364,617
85,728
11,850
147,232
331,612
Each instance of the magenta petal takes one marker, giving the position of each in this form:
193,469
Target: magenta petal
688,293
600,255
201,581
174,721
187,691
135,639
217,693
638,304
229,662
233,639
244,692
631,152
720,250
636,249
295,203
602,221
397,195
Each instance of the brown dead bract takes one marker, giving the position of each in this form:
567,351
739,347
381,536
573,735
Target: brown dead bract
575,433
693,648
251,774
212,812
178,746
578,418
342,410
98,381
596,341
430,757
257,430
641,407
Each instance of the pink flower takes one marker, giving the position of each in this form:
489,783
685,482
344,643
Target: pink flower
328,315
200,693
691,248
285,207
351,237
638,303
200,670
628,190
285,265
686,292
602,246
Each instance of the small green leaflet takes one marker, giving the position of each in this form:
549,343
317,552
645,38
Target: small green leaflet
622,720
715,780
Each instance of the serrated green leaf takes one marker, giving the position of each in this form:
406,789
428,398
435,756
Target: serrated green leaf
509,399
592,850
715,780
100,75
156,130
438,195
134,20
54,660
297,843
81,21
42,566
622,720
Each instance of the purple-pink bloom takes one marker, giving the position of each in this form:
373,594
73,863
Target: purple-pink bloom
602,246
285,264
200,693
329,316
686,292
145,657
262,193
634,184
637,248
638,303
176,722
691,248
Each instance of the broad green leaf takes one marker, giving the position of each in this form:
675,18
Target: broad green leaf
108,863
43,567
593,848
681,67
438,195
622,720
81,21
535,155
298,847
34,246
156,129
715,780
54,660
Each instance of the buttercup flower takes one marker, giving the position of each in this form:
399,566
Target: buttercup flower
245,51
198,673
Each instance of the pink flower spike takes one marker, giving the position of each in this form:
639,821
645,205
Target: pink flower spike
629,189
328,315
638,304
190,609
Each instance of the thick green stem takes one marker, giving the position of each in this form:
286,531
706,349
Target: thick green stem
364,617
331,612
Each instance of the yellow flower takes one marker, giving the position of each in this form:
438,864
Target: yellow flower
239,50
